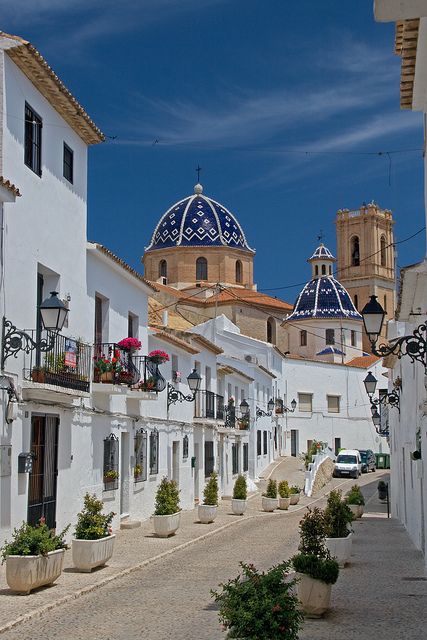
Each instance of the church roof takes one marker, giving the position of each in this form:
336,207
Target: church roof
321,253
198,221
328,350
324,298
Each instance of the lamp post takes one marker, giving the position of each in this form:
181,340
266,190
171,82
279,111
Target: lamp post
53,313
230,414
390,397
174,395
293,407
270,407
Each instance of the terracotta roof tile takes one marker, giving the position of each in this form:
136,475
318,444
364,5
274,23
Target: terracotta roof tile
168,337
363,362
9,185
122,263
236,295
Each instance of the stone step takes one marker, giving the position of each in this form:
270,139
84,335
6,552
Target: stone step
130,524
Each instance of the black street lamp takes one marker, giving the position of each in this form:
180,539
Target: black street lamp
53,314
174,395
391,397
270,407
293,407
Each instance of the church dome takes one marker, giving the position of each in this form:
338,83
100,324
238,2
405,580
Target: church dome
324,298
198,221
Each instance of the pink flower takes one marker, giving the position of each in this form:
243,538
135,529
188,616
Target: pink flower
129,343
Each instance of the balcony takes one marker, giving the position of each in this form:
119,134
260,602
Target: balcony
209,405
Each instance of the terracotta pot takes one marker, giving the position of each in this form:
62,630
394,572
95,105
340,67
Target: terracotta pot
38,376
107,377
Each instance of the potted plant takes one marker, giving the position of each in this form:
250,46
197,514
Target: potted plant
284,499
239,501
208,510
317,571
355,501
382,490
110,477
129,344
137,472
94,541
269,498
166,510
260,604
34,557
38,374
338,516
294,494
158,356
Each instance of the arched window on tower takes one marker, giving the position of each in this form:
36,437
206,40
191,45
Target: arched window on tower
238,271
271,331
316,270
355,252
201,269
323,269
356,301
330,270
383,252
163,269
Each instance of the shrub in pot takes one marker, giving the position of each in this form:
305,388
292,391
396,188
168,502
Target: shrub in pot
317,571
208,510
94,541
260,604
239,500
34,557
284,494
166,510
269,498
294,494
337,517
355,501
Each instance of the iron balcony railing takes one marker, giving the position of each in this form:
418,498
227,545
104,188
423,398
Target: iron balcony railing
67,364
234,418
209,405
118,366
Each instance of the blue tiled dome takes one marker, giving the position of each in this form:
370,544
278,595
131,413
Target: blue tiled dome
324,298
198,221
322,253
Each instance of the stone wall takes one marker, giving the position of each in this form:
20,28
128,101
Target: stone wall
323,475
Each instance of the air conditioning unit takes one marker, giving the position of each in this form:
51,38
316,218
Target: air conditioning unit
251,358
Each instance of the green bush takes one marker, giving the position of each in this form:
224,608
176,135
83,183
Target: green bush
33,541
240,489
260,604
271,489
283,489
314,558
167,498
355,496
311,452
210,493
337,516
317,568
294,489
91,523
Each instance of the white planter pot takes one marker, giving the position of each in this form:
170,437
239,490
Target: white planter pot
88,554
238,506
25,573
165,526
294,498
284,503
314,595
269,504
357,510
340,548
207,513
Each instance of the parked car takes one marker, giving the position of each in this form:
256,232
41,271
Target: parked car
369,462
348,463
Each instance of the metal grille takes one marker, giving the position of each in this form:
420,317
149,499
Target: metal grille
265,442
258,443
42,480
245,456
140,444
154,452
185,447
209,458
111,462
235,458
209,405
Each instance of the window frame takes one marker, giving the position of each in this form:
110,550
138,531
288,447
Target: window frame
330,337
265,442
140,451
301,404
154,452
234,459
239,272
303,338
68,149
329,405
111,460
258,443
201,268
245,456
33,126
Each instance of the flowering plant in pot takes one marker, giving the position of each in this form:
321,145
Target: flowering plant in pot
107,367
260,604
338,517
208,510
34,557
239,501
284,494
166,509
129,344
294,494
158,356
355,501
94,540
269,497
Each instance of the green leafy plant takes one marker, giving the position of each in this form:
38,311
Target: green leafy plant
33,541
240,489
167,498
283,489
137,470
294,489
91,523
110,475
210,493
271,491
318,568
54,362
314,448
260,604
355,496
337,516
314,558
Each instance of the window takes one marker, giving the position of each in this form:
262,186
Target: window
385,304
163,269
383,252
333,404
265,442
234,458
33,140
323,270
303,338
305,402
330,270
68,163
201,269
111,462
154,452
185,447
330,336
238,271
209,458
271,331
140,447
316,270
132,325
355,252
353,338
245,456
258,443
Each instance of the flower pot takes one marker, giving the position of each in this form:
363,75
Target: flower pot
284,503
165,526
88,554
25,573
340,548
207,513
356,509
238,506
107,377
314,595
269,504
38,376
294,498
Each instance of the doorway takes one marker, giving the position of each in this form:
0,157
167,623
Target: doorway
124,474
44,474
294,442
196,471
175,461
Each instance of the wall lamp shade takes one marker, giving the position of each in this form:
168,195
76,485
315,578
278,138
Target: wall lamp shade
373,318
376,419
370,383
244,408
194,380
270,405
294,404
53,312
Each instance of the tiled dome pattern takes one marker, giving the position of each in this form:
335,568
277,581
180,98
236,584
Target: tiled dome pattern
322,253
198,221
324,298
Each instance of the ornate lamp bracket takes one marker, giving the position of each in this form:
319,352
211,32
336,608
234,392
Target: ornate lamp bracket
174,396
15,340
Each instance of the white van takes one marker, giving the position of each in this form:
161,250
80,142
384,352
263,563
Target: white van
348,463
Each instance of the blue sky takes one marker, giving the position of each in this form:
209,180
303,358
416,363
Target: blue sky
283,104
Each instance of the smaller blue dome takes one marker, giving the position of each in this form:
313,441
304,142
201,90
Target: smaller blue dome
324,298
328,350
322,253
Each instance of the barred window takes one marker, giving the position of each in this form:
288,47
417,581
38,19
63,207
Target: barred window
265,442
235,458
185,447
68,163
33,140
140,444
154,452
111,462
245,456
258,443
209,458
